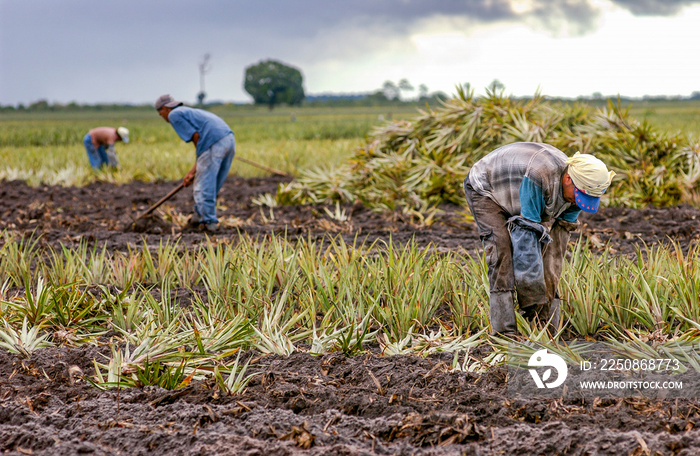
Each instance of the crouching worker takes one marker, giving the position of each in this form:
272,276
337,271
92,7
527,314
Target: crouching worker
511,192
215,147
99,145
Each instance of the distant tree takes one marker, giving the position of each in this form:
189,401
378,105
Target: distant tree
422,91
496,86
271,82
39,105
390,90
376,98
405,86
695,95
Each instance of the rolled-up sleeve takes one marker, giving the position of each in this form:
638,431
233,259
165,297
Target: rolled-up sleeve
532,203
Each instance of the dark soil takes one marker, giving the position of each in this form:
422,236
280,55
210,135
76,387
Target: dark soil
301,404
101,213
327,405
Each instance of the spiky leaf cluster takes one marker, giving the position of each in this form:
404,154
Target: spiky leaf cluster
422,163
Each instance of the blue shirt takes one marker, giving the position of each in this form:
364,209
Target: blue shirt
532,203
188,121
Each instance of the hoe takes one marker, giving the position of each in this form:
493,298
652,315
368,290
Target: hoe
129,225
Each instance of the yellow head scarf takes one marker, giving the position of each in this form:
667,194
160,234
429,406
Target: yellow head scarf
589,174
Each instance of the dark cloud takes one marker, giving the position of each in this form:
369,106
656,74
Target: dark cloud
654,7
279,17
88,32
51,49
572,17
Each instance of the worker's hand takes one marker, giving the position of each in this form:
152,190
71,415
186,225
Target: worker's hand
188,179
568,226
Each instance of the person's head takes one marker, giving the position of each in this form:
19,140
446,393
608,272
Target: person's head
123,134
585,180
164,104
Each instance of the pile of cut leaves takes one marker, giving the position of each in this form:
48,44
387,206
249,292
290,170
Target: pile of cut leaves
419,164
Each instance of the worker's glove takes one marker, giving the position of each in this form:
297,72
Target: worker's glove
112,159
566,226
528,238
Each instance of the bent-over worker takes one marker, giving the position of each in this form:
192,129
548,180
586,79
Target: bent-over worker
215,147
511,192
99,145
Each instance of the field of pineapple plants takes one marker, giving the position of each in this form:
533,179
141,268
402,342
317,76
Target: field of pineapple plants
342,311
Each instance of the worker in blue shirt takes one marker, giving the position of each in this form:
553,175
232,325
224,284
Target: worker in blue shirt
215,146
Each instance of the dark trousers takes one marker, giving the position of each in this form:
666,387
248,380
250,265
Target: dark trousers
491,222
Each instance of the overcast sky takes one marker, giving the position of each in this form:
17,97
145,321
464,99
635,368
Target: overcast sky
132,51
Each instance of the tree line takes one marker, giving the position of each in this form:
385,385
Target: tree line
274,83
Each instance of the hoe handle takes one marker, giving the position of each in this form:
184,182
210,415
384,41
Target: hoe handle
162,200
266,168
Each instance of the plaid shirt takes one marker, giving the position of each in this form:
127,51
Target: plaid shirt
525,179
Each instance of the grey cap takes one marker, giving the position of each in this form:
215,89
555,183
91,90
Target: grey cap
167,101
